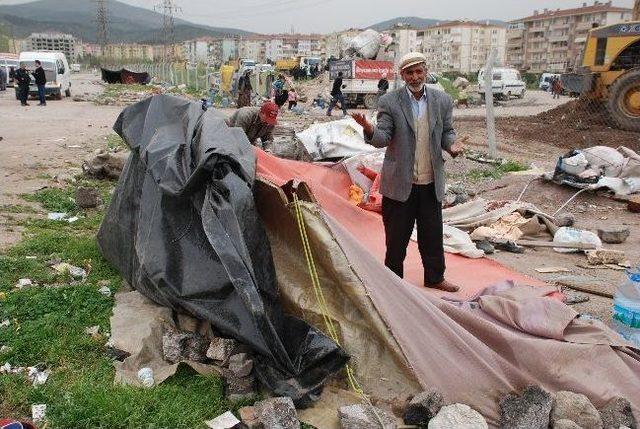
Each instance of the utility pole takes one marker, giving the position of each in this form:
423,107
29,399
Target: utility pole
167,9
102,22
488,99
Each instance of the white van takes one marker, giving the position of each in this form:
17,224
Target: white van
545,80
506,83
56,69
7,61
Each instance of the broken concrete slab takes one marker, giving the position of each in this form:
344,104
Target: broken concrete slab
239,388
178,346
614,234
225,421
87,198
577,408
605,256
360,416
221,349
423,407
530,410
240,365
458,416
249,417
617,413
277,413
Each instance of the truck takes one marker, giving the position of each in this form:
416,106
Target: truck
360,80
303,62
505,83
56,69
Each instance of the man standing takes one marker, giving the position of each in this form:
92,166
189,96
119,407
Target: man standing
244,89
257,122
41,80
3,79
336,94
383,85
415,124
23,80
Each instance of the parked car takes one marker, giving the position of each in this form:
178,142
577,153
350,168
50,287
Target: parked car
506,82
545,80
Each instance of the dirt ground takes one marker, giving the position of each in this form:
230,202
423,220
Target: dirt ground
42,145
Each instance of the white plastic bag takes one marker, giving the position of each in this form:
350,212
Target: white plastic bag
566,235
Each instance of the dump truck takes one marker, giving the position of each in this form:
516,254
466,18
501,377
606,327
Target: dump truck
288,64
610,72
360,79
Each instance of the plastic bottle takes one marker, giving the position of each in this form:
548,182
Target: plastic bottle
145,375
626,308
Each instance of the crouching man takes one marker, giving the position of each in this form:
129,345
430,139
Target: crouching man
257,122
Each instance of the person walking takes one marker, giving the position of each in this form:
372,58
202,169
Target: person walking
3,79
337,96
280,95
23,80
41,80
415,125
556,88
383,85
293,98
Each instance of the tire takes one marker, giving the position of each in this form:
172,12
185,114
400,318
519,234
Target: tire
370,101
623,104
67,93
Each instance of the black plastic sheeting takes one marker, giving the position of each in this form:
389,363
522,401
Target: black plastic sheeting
183,229
124,76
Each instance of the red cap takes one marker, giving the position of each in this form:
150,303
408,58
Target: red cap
270,112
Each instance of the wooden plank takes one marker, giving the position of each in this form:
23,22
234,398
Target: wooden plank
535,243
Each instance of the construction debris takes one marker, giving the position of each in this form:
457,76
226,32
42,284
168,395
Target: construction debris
225,421
633,204
239,388
221,349
618,413
530,410
614,234
87,198
240,365
605,256
577,408
178,346
277,413
66,268
105,165
361,416
458,416
423,407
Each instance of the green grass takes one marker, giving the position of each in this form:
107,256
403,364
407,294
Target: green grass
114,89
48,328
496,172
115,142
16,208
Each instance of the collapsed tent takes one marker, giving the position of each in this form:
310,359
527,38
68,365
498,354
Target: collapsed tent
403,338
125,76
182,229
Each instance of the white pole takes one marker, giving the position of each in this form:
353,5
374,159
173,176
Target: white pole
488,98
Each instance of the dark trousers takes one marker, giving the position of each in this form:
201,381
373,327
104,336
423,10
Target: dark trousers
292,104
422,208
23,93
337,99
41,94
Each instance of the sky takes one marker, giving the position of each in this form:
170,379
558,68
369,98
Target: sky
324,16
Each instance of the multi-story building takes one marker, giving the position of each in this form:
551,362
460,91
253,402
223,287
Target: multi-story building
223,50
405,37
58,42
128,52
280,46
253,47
461,46
197,50
553,40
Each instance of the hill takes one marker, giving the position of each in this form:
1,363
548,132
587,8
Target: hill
126,23
420,23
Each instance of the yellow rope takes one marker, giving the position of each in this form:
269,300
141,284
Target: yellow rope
322,303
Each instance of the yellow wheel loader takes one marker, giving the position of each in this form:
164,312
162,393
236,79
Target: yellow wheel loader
610,73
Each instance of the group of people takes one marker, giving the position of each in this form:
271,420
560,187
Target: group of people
22,78
282,91
414,124
555,87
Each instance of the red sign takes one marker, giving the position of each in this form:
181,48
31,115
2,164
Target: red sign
371,69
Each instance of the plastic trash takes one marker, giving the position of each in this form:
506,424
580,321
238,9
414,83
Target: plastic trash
626,307
38,412
566,235
145,375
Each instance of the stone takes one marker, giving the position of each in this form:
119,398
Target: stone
458,416
178,346
240,365
617,413
614,234
277,413
605,256
225,421
572,297
577,408
486,247
566,424
423,407
105,165
633,204
530,410
360,416
87,198
565,219
249,417
238,388
221,349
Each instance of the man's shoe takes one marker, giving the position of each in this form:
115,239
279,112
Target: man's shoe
444,285
42,104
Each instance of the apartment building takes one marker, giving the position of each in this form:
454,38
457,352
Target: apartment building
281,46
553,40
197,50
461,46
405,37
127,52
253,47
58,42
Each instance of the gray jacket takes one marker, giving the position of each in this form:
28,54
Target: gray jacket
395,130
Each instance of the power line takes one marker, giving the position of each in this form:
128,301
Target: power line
168,9
102,22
